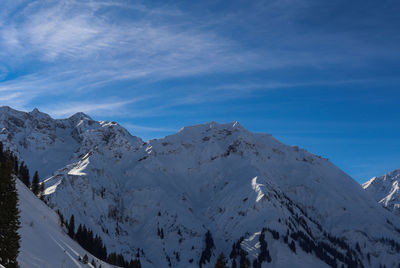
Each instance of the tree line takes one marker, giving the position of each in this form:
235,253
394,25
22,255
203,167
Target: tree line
94,244
9,213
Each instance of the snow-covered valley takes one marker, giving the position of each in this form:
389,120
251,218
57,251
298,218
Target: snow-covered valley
260,200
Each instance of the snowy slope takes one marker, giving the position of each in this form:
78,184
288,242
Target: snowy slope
44,244
160,197
386,190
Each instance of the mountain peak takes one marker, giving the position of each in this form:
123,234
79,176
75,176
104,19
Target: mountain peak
80,116
385,189
387,178
38,114
35,112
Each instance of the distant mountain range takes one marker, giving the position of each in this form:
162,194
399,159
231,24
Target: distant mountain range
209,189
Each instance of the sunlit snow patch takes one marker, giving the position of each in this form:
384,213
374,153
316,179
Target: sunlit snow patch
79,168
257,187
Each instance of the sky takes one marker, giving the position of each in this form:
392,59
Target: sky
323,75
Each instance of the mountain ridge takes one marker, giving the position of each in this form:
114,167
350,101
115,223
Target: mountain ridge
243,187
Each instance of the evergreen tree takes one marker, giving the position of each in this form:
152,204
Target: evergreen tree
207,252
221,261
23,172
9,214
79,234
35,184
71,227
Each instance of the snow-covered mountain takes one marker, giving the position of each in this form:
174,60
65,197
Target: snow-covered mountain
258,198
386,190
44,244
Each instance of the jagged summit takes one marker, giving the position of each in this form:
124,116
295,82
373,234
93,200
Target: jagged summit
47,144
39,115
35,111
8,112
389,177
386,190
80,116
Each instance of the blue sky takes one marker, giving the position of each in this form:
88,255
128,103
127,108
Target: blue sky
324,75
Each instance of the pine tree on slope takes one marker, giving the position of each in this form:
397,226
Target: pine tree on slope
9,214
71,227
24,174
35,184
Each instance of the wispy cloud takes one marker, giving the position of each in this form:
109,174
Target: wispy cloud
109,107
294,84
11,96
68,48
85,35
